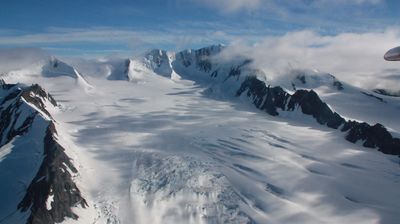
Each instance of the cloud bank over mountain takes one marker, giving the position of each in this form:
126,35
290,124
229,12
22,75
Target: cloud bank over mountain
356,58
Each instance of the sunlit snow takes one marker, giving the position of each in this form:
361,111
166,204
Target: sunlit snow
157,149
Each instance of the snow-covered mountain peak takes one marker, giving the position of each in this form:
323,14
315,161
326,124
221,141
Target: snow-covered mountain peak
158,61
199,64
135,69
44,69
56,67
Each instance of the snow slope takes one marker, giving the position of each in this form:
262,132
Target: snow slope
159,149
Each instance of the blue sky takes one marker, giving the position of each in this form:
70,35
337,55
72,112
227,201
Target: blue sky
103,27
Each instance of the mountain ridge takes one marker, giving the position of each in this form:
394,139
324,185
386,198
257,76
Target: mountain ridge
197,138
52,178
270,99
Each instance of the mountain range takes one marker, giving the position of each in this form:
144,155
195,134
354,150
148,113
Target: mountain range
194,137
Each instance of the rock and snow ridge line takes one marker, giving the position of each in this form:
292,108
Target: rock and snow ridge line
205,63
20,108
161,182
387,92
269,98
53,180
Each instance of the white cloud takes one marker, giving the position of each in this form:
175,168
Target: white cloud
229,6
132,39
352,57
17,58
279,6
65,35
359,2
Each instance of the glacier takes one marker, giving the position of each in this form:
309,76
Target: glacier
165,137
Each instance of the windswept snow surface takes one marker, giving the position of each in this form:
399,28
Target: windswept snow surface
161,149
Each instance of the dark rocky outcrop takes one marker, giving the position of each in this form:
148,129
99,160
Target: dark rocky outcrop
127,64
338,85
270,99
10,109
235,71
201,58
120,71
303,79
375,136
387,93
311,104
373,96
54,177
52,180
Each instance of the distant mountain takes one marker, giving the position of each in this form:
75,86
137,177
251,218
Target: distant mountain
49,68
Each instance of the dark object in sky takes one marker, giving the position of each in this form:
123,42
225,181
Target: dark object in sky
393,54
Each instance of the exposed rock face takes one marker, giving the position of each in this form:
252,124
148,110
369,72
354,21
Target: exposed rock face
266,98
373,96
235,71
314,79
121,71
159,62
375,136
271,99
387,93
11,109
20,107
52,180
200,58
